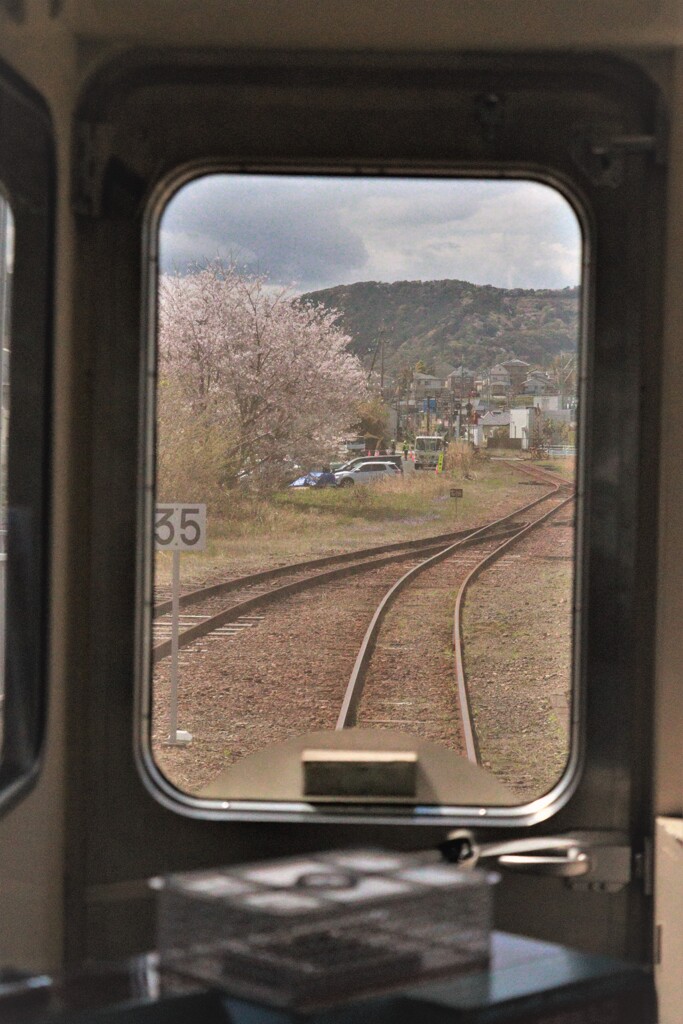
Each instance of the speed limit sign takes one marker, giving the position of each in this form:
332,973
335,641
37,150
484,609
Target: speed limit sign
180,527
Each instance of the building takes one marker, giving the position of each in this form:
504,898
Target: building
461,382
498,381
538,382
518,371
526,425
489,423
426,385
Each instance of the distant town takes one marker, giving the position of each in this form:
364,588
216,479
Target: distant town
464,360
512,405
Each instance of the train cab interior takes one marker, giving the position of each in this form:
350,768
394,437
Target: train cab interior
110,114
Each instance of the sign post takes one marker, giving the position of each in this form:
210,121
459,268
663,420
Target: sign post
456,492
178,528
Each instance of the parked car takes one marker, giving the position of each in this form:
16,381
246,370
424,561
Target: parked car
316,478
397,460
367,472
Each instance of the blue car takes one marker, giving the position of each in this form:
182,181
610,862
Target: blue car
316,478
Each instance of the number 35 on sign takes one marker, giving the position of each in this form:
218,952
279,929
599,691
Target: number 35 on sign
180,527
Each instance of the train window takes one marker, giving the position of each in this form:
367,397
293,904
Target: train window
367,396
26,191
6,267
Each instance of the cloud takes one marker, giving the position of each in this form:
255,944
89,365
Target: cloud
314,232
284,228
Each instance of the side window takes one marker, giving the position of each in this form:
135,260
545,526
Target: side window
26,211
431,617
6,268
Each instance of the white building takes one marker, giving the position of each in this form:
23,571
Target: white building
548,403
525,424
426,385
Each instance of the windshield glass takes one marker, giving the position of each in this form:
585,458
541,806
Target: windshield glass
303,322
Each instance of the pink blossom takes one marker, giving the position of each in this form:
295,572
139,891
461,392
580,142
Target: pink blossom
275,372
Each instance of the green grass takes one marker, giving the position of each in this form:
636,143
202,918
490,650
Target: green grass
297,524
565,467
388,500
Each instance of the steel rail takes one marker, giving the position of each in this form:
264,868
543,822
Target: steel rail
542,475
407,549
235,611
470,735
354,689
239,582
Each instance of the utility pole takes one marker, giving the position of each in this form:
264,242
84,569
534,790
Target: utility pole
462,392
381,373
380,342
564,375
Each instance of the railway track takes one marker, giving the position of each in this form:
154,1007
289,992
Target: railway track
371,699
257,591
302,643
470,736
261,580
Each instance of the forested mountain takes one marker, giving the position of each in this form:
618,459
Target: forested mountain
446,323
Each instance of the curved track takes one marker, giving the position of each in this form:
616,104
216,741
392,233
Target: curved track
355,688
304,575
470,736
233,706
242,611
257,578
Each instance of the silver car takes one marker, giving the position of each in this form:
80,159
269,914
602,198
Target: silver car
366,473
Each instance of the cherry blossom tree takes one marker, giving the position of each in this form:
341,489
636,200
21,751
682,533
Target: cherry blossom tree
272,374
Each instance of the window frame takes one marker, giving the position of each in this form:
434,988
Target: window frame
143,114
149,114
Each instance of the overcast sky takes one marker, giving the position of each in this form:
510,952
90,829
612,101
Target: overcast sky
311,233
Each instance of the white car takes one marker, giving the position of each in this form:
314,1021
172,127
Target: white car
366,473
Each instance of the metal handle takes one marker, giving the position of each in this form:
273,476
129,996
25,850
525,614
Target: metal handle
568,865
558,856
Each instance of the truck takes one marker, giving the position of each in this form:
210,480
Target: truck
427,450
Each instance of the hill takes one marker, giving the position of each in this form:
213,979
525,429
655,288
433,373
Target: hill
446,323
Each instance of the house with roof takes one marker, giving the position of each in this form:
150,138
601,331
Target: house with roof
426,385
489,423
426,391
498,382
538,382
461,382
517,370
